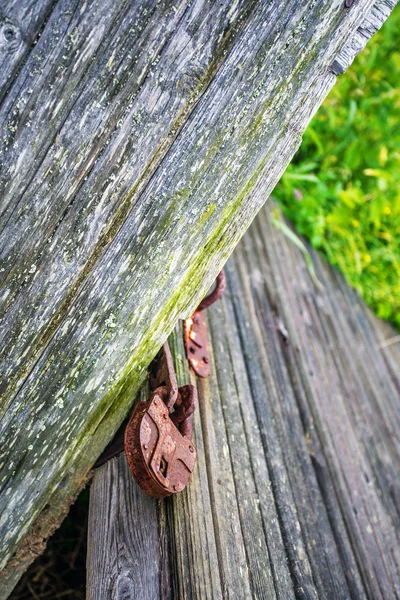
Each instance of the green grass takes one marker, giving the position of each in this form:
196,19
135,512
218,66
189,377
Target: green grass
342,190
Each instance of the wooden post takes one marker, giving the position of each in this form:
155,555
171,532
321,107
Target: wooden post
139,140
294,494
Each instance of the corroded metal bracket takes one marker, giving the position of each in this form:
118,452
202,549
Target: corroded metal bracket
158,437
157,446
195,332
197,345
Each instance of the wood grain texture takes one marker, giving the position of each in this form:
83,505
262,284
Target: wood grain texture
296,491
21,23
123,538
140,139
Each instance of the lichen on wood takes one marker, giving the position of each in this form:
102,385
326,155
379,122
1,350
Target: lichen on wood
295,492
140,139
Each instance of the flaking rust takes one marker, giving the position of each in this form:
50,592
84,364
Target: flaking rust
195,332
158,444
160,458
197,344
158,437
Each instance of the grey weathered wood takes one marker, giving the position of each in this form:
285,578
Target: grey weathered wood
139,141
20,24
123,558
126,558
296,493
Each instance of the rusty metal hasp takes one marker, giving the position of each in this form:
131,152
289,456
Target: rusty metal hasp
158,436
195,332
158,444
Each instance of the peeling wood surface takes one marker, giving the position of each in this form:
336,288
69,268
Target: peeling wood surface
138,142
296,492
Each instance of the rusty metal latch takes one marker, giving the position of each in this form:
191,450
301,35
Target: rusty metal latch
158,436
195,332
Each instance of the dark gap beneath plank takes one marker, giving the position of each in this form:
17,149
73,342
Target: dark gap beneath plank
60,572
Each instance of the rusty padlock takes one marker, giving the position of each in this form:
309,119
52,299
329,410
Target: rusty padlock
158,437
158,445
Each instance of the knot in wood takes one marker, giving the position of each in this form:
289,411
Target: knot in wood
10,37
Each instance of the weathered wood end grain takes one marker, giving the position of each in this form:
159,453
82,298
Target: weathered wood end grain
296,493
138,142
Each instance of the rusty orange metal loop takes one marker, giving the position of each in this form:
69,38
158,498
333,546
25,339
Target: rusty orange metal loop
185,404
162,373
219,289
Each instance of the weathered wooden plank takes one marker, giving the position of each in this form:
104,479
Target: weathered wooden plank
76,165
289,430
125,186
123,538
302,512
327,361
242,558
369,26
21,22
